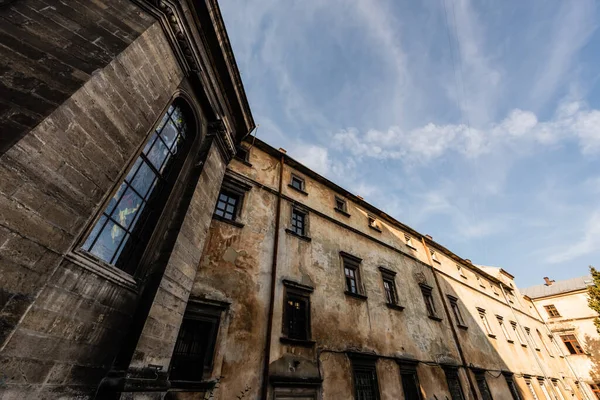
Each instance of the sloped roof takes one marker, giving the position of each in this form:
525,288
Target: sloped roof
567,285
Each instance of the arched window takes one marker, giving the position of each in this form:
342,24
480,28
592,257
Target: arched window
116,235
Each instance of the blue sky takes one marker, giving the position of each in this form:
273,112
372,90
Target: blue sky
477,122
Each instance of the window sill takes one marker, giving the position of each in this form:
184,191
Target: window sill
435,318
436,261
340,211
298,190
538,350
245,162
291,232
510,341
228,221
411,247
463,276
523,345
394,306
297,342
375,228
492,335
356,295
464,327
482,286
106,271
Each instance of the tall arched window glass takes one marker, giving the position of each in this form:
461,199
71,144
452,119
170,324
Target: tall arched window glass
117,231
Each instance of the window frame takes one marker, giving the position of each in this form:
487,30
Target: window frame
458,317
515,328
512,386
389,276
302,189
364,364
344,210
486,323
577,349
531,338
452,376
595,388
232,186
482,386
198,310
408,241
159,201
434,256
505,332
409,373
353,263
302,292
552,311
293,222
372,222
427,292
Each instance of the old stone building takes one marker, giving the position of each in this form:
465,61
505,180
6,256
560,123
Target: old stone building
117,120
564,307
140,259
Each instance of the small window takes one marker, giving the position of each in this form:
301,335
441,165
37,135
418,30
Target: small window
410,381
495,289
548,350
434,256
242,153
544,389
483,386
517,333
389,286
511,295
459,268
456,392
352,274
531,390
409,242
365,380
373,223
486,324
480,282
456,311
227,205
595,389
340,204
427,290
552,311
572,344
503,328
298,222
532,339
297,183
558,390
296,313
514,392
194,350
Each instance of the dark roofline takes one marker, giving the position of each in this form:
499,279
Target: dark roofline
267,148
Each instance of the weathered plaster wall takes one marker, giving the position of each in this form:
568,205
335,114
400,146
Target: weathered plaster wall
60,324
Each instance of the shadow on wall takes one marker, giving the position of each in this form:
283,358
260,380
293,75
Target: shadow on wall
592,345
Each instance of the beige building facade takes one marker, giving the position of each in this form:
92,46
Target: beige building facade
326,297
564,307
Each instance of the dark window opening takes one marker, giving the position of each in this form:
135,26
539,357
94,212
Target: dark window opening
552,311
373,222
351,279
351,273
194,349
428,298
390,290
227,205
456,311
242,153
298,222
117,234
410,383
297,316
365,381
297,183
572,344
454,387
483,387
340,204
514,392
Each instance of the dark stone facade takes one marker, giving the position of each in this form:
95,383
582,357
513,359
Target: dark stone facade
83,84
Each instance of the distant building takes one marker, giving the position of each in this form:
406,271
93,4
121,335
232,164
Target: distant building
564,307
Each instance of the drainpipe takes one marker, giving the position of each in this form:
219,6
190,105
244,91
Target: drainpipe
585,395
452,327
527,338
265,382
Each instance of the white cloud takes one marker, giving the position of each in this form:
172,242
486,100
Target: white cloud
572,122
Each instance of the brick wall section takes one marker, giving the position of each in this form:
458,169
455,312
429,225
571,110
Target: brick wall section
60,324
159,335
49,49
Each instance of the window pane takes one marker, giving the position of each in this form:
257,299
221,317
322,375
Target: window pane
127,208
144,180
113,202
158,154
108,242
177,117
162,122
169,134
94,234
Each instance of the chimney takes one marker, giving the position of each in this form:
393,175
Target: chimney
429,237
281,149
548,281
469,261
359,197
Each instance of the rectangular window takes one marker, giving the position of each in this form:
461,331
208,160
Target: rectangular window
532,339
514,392
410,381
480,282
486,324
194,350
552,311
517,333
227,205
365,380
434,256
541,337
531,390
242,153
459,268
409,241
453,382
373,223
298,222
511,295
503,328
572,344
544,389
297,316
297,183
495,289
483,386
456,311
595,389
427,290
557,389
351,273
340,204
